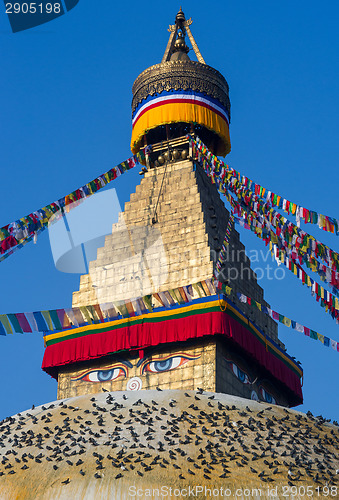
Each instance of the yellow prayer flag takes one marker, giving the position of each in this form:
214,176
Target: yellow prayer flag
274,239
48,319
86,314
320,337
287,321
6,324
197,288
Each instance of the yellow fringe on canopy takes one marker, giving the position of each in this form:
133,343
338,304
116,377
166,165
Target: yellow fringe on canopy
181,112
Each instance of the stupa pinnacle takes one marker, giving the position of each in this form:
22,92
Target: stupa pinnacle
201,358
180,96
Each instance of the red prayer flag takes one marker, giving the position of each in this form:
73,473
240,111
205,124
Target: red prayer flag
23,322
99,312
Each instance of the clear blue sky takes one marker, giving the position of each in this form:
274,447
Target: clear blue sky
66,117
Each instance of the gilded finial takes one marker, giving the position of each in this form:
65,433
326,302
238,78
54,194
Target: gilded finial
184,26
180,17
179,44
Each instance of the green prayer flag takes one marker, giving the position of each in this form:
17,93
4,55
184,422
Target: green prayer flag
55,319
122,309
15,323
313,335
93,314
86,314
93,186
141,156
148,302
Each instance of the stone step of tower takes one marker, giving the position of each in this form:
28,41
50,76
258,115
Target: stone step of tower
181,247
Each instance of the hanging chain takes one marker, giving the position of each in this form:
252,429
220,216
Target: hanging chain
155,217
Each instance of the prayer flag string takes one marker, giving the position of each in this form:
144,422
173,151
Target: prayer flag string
287,236
326,299
326,341
15,235
289,258
324,222
291,234
54,320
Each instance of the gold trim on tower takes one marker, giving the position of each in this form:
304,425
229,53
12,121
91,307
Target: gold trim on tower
175,75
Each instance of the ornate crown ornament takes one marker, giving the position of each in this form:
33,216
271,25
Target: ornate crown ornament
179,92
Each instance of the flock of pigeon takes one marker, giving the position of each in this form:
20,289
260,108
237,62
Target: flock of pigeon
192,437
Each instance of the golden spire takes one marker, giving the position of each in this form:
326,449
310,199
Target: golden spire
184,26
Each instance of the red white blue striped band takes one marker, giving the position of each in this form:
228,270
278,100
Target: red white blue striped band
180,98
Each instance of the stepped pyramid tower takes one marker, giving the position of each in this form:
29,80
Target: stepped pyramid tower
197,430
167,239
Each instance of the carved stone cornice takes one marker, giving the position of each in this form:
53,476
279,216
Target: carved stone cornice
183,75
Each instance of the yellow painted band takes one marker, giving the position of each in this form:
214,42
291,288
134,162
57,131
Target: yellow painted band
159,314
183,112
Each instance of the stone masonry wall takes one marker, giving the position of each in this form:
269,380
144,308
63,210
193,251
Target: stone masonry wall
180,248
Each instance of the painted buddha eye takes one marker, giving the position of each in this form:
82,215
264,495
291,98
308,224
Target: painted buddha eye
240,374
254,396
266,396
164,365
102,375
